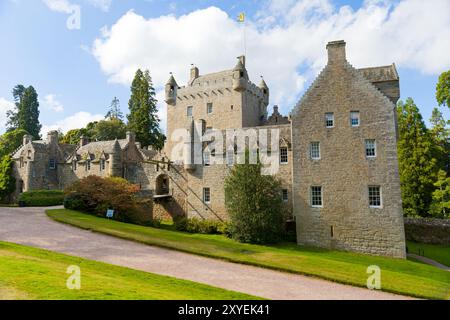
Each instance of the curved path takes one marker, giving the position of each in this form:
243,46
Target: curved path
31,226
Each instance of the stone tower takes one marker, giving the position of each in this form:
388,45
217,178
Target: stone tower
346,186
221,100
115,161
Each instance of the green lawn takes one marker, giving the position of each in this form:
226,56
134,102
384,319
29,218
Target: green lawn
439,253
398,276
29,273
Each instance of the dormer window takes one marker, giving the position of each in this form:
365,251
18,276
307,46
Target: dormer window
52,164
88,165
102,164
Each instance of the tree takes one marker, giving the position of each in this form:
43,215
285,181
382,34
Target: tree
441,139
114,110
443,89
7,180
73,136
26,113
254,204
440,207
109,130
143,119
416,160
10,141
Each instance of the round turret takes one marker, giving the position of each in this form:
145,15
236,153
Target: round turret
240,77
171,90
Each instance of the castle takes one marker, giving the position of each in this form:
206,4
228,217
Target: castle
336,154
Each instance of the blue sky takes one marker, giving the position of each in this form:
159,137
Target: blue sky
78,72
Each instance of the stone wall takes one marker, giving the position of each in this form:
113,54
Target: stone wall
432,231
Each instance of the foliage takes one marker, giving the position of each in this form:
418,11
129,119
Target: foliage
7,180
143,118
254,204
440,135
114,110
42,198
26,112
195,225
440,207
109,130
10,141
399,275
417,163
443,89
96,195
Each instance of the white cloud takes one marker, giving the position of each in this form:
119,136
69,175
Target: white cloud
5,105
78,120
104,5
285,41
51,103
63,6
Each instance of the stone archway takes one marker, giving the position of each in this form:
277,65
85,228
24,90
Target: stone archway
162,186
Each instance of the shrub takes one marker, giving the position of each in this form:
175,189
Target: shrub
96,195
7,180
195,225
254,204
42,198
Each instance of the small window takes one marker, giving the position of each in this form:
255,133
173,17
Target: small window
206,158
230,158
375,196
102,164
316,196
354,118
329,119
371,147
74,165
209,108
52,164
315,150
189,111
285,194
206,195
232,107
88,165
283,155
21,162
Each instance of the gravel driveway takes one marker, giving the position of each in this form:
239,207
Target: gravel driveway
30,226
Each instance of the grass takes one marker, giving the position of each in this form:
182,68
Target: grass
398,276
439,253
29,273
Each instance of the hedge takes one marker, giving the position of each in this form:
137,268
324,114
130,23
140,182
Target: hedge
42,198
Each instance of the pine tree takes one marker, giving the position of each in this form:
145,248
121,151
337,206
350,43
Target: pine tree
440,207
114,110
26,113
416,160
143,119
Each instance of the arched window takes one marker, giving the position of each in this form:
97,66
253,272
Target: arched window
162,185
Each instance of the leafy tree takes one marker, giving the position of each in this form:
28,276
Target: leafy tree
443,89
73,136
7,180
114,110
440,207
416,160
143,119
254,204
10,141
26,113
109,130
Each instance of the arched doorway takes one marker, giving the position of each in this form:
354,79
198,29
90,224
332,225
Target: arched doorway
162,185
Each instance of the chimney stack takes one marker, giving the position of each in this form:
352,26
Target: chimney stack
27,139
194,73
83,140
336,51
131,137
52,137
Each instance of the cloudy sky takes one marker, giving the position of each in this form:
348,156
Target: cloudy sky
79,54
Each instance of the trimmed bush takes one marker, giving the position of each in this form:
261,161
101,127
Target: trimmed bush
95,195
254,204
195,225
42,198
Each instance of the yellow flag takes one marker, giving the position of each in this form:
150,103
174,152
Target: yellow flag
241,17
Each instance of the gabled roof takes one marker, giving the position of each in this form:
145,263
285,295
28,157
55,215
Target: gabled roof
101,146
